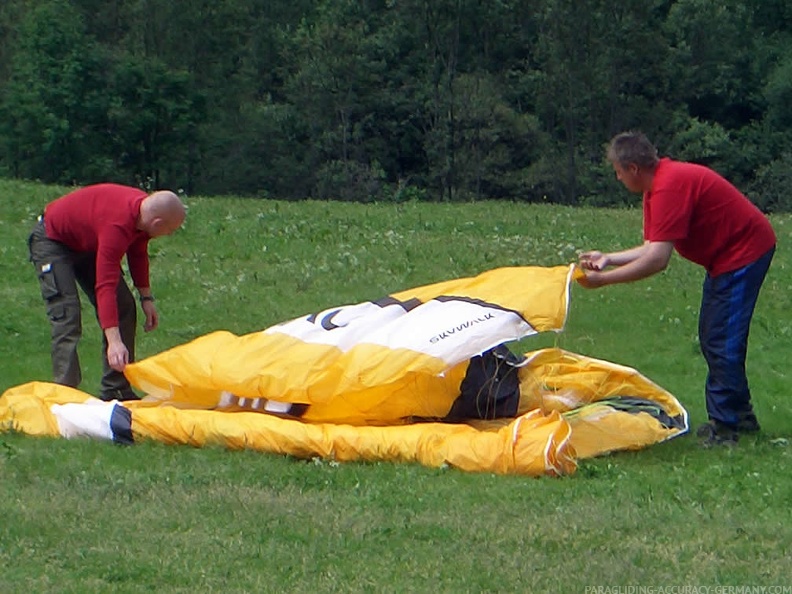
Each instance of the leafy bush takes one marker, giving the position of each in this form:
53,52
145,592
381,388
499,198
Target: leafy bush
350,181
770,188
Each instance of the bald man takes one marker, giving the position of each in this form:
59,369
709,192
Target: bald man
82,238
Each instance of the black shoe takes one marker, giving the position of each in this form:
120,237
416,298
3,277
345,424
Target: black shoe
714,433
120,395
748,423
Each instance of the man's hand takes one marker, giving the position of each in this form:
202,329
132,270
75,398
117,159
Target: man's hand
592,280
152,317
594,260
117,353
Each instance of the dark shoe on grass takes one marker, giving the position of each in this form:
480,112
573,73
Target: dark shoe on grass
714,433
120,395
748,423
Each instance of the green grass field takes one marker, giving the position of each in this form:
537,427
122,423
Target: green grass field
81,516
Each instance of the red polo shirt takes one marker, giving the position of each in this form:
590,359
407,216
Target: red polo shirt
103,219
709,221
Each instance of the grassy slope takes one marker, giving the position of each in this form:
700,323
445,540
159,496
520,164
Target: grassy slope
83,516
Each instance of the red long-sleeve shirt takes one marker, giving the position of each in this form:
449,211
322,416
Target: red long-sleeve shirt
103,219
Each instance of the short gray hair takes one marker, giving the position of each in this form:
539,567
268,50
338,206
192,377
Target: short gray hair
632,147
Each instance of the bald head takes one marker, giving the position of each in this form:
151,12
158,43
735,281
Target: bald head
161,213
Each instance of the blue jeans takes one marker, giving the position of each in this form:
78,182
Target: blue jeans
727,306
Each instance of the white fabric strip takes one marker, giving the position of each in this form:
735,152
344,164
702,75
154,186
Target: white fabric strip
89,419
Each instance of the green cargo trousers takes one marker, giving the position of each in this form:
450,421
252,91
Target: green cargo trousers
60,270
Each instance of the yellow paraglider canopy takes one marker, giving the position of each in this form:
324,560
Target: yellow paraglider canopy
421,375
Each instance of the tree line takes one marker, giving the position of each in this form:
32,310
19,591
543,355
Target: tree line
393,99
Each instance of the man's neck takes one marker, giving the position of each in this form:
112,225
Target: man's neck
647,178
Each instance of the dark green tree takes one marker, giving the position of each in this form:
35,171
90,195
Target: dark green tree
54,106
153,121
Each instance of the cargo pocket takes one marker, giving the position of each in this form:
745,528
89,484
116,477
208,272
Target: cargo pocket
56,312
49,288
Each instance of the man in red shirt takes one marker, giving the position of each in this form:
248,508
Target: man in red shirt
694,210
81,239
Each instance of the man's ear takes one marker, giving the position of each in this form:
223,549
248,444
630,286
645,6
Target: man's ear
155,226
